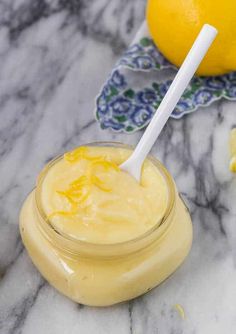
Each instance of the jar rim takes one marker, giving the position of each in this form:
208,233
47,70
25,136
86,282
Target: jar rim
76,245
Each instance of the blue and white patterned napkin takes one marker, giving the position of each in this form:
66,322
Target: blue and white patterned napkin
140,79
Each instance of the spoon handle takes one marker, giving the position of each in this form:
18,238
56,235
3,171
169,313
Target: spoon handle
167,105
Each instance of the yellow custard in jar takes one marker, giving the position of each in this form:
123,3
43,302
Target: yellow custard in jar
89,198
98,235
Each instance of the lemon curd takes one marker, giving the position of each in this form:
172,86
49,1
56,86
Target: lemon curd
232,144
99,236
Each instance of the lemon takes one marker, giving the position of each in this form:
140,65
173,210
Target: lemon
174,24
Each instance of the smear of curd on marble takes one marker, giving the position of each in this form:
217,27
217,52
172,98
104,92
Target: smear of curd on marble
179,308
86,196
232,143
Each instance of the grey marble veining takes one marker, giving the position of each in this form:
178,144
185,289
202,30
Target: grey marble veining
54,57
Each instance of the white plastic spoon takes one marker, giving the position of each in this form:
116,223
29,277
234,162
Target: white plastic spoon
202,43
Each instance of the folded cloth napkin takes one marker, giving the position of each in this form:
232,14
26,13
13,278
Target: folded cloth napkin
139,81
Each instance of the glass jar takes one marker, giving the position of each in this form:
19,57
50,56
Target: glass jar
105,274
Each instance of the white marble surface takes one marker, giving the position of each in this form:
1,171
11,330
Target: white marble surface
54,56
